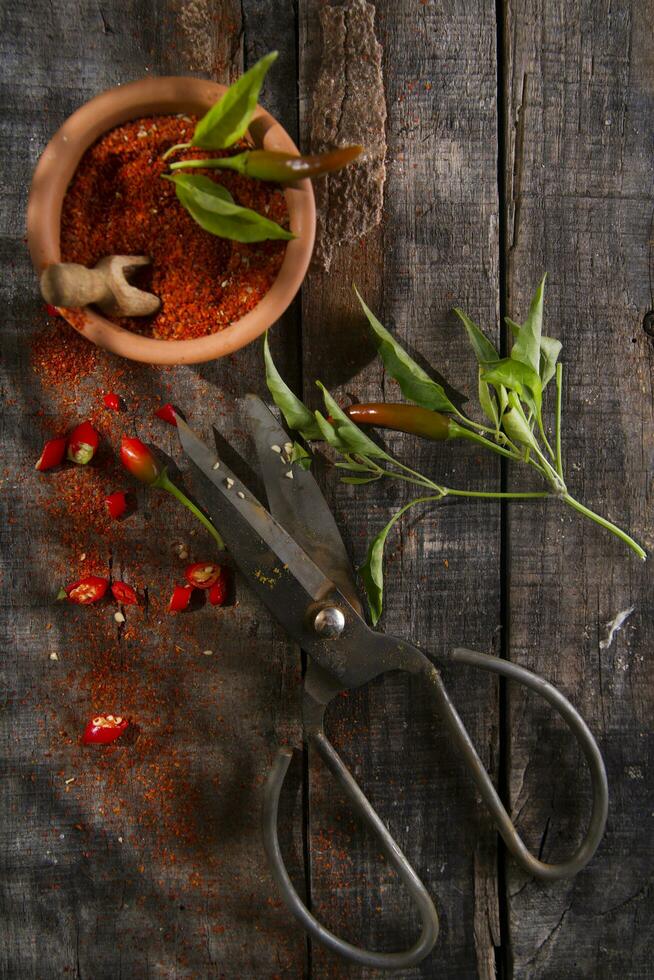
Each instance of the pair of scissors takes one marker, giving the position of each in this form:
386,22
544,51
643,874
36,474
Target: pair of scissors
294,559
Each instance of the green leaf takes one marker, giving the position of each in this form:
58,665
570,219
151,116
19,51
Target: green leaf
484,350
549,352
300,456
515,425
359,480
213,207
227,121
354,466
517,377
526,349
549,355
415,384
295,412
348,435
487,400
372,570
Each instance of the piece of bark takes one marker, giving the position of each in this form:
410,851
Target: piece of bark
349,107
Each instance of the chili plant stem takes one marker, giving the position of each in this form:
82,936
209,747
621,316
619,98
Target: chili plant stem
166,484
613,528
175,148
559,391
509,495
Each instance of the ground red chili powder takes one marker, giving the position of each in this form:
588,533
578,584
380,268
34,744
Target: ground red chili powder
118,204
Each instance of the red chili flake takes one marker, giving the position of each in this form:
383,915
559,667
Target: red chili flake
86,590
51,310
167,414
82,444
218,592
124,593
116,504
180,598
112,401
52,454
116,204
104,729
203,574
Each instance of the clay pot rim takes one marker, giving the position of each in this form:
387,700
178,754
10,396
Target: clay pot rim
163,96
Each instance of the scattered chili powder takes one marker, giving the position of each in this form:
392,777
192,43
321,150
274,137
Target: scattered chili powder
118,204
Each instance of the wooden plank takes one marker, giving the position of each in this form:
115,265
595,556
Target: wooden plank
579,206
150,862
437,247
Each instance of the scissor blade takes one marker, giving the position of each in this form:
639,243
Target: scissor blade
242,520
298,503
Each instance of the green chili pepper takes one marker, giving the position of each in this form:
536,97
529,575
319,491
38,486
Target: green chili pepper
282,168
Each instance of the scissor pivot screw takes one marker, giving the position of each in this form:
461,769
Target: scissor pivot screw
329,622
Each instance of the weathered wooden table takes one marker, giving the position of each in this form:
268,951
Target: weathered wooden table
518,140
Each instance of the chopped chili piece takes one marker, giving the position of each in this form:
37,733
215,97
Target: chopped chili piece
52,454
112,401
180,598
218,592
87,590
124,593
167,414
104,729
51,310
82,444
203,574
116,504
137,458
117,204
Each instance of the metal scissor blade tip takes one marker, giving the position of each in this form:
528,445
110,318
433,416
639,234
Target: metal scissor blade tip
298,504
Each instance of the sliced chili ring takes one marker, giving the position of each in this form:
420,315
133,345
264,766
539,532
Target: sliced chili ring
104,729
87,590
180,598
116,504
218,592
52,454
124,593
202,574
167,413
82,444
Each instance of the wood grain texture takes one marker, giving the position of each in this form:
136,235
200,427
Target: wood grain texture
150,862
579,206
442,584
154,867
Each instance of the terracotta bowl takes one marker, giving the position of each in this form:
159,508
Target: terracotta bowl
160,96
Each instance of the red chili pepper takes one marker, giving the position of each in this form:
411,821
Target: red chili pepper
52,454
167,413
116,504
124,594
203,574
82,444
112,401
180,598
86,590
218,592
137,458
51,310
104,729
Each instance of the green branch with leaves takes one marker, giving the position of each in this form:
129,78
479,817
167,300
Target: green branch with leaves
510,393
226,124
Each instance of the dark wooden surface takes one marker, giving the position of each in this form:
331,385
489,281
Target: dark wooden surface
513,148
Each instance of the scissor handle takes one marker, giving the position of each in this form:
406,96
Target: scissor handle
575,722
416,889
